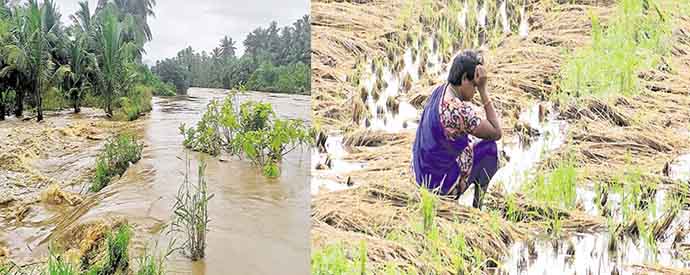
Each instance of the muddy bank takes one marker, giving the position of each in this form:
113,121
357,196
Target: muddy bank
252,217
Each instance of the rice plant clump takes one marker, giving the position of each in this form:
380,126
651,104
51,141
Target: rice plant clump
57,265
333,259
636,40
119,153
557,188
116,257
150,264
191,213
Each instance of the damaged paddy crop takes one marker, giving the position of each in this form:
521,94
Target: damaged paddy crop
594,102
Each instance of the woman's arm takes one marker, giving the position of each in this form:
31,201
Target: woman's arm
491,127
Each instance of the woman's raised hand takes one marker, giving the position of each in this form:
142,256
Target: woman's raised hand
480,77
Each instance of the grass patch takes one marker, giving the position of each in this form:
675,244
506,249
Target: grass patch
119,153
191,213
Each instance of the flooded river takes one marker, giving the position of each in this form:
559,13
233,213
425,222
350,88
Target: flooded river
258,225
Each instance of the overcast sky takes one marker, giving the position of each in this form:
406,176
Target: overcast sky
202,23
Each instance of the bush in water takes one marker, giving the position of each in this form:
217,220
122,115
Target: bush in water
191,213
119,152
253,131
134,104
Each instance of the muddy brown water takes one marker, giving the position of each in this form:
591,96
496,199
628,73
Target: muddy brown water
258,225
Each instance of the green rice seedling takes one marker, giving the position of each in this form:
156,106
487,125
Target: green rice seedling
118,248
645,229
634,41
119,153
427,208
513,213
333,259
190,213
459,245
116,260
557,188
57,265
362,260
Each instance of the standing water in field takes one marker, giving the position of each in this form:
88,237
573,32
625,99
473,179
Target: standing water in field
253,218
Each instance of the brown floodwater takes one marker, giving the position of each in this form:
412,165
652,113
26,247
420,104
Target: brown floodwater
258,225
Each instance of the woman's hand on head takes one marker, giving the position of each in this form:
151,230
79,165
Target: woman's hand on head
480,77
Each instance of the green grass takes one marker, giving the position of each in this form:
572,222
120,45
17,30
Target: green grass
635,40
191,213
114,160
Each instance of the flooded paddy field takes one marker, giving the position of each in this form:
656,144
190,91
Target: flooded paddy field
597,185
46,168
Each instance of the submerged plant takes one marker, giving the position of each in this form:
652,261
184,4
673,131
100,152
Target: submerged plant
253,131
119,153
190,213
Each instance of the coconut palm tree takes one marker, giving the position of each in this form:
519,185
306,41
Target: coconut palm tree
115,53
29,51
75,75
227,47
82,18
139,10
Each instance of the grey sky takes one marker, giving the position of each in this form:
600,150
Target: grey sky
202,23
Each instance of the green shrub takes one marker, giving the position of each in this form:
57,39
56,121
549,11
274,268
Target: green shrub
119,152
254,132
207,136
135,104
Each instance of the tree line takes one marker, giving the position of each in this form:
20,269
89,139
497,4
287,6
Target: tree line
275,60
97,56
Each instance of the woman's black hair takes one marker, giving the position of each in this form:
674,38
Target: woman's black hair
464,65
